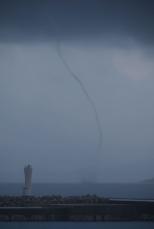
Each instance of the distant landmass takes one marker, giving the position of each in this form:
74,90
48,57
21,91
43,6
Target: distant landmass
148,181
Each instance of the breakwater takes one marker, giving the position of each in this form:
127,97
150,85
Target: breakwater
86,208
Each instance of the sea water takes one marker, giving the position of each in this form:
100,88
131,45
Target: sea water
78,225
140,191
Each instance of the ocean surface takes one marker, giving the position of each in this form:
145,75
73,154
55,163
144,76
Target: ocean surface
139,191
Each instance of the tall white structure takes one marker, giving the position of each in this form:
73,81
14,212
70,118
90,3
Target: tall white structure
28,180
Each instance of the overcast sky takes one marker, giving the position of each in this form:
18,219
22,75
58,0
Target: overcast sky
46,119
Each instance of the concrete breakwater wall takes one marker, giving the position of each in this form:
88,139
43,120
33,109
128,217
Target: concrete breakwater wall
107,211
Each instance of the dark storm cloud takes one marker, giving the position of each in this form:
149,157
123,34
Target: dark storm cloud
36,19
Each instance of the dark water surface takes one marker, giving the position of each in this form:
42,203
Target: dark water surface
140,191
69,225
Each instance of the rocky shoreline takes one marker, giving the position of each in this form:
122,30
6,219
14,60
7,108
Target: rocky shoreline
74,208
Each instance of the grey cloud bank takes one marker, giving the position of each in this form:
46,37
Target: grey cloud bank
36,20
